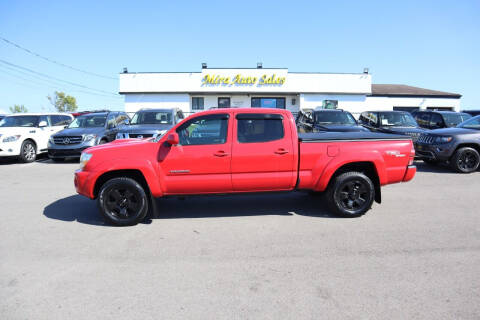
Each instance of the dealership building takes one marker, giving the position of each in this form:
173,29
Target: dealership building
274,88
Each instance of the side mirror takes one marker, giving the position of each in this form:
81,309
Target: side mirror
173,139
42,124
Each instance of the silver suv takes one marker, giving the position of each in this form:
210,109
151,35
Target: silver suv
85,131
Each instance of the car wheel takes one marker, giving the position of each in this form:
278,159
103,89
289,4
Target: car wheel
350,195
123,201
430,162
28,151
465,160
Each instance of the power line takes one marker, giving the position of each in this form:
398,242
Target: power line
47,83
53,61
57,79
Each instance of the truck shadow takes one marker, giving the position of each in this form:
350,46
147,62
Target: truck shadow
82,210
437,168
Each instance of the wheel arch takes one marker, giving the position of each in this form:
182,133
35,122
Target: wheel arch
367,168
134,174
467,145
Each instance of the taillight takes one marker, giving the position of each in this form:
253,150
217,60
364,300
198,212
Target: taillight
412,156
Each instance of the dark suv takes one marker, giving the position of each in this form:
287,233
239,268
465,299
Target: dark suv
439,119
336,120
397,122
85,131
458,146
148,123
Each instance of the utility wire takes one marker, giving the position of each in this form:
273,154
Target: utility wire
46,83
53,61
50,77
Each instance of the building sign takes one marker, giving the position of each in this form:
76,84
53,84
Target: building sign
239,79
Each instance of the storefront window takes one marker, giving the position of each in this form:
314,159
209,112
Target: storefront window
268,103
197,103
224,102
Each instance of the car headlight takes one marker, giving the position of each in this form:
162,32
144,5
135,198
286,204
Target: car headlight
443,139
84,158
11,138
51,140
89,137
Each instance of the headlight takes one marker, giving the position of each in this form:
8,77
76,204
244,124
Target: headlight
51,140
443,139
11,138
84,158
89,137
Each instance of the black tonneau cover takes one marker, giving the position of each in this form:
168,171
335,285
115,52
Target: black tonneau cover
349,136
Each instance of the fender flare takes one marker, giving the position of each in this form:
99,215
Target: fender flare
374,157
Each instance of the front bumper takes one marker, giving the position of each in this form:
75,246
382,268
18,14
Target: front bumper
10,149
439,152
65,153
83,184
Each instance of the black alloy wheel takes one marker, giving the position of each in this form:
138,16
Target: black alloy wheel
351,194
28,151
123,201
465,160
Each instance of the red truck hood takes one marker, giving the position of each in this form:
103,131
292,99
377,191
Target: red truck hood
119,144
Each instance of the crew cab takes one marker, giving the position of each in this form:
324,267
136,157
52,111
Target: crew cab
25,135
242,150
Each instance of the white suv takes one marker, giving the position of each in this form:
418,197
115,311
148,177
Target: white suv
26,135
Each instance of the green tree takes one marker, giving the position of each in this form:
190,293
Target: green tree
63,102
18,108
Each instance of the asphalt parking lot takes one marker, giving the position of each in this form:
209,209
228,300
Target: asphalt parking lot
274,256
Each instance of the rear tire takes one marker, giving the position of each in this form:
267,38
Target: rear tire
28,152
350,195
123,202
465,160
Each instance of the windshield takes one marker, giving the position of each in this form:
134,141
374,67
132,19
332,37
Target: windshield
334,117
152,117
20,121
89,121
454,119
397,119
472,123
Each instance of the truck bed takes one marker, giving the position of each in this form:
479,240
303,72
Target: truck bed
348,136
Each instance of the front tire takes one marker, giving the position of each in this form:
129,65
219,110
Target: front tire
123,202
28,152
465,160
350,195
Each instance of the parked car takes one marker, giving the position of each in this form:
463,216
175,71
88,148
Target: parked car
439,119
397,122
473,113
26,135
148,123
336,120
460,146
84,132
242,150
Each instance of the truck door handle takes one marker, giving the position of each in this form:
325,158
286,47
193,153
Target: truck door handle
220,153
281,151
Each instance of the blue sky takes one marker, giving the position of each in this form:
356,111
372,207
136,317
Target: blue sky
430,44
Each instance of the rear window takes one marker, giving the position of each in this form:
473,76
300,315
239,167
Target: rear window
259,128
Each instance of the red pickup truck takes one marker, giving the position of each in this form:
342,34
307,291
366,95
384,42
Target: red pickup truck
242,150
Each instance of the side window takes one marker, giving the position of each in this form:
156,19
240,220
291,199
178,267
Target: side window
59,120
46,119
121,117
436,121
259,127
423,119
211,129
111,121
